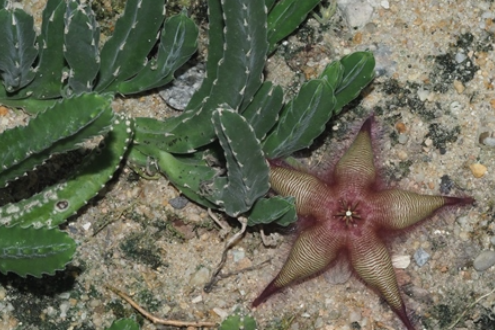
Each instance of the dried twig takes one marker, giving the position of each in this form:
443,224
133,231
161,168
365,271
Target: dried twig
224,228
268,241
468,308
208,287
157,320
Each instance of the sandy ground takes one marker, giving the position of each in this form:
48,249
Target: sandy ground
431,109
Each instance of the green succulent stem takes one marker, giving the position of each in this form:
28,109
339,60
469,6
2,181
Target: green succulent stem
215,152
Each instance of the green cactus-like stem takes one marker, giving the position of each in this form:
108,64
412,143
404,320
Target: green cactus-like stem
177,44
81,36
125,53
247,171
358,70
262,112
190,174
18,49
55,204
239,75
48,81
234,322
285,17
34,251
302,120
215,53
277,209
24,147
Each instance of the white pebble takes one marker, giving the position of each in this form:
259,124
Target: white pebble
401,261
64,307
385,4
423,94
460,57
357,12
221,312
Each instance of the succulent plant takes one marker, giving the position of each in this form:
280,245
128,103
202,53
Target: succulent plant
65,59
62,76
246,115
238,322
235,117
124,324
232,322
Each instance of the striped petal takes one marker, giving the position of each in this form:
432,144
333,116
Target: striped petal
371,261
312,253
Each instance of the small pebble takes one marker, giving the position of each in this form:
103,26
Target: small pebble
64,307
487,138
401,261
421,257
403,138
357,13
221,312
178,202
423,94
402,155
463,221
401,127
238,255
458,86
484,260
460,57
385,4
197,299
492,240
478,170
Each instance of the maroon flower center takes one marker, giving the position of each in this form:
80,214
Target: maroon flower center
348,213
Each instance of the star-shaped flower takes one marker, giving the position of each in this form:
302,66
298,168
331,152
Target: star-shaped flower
350,214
